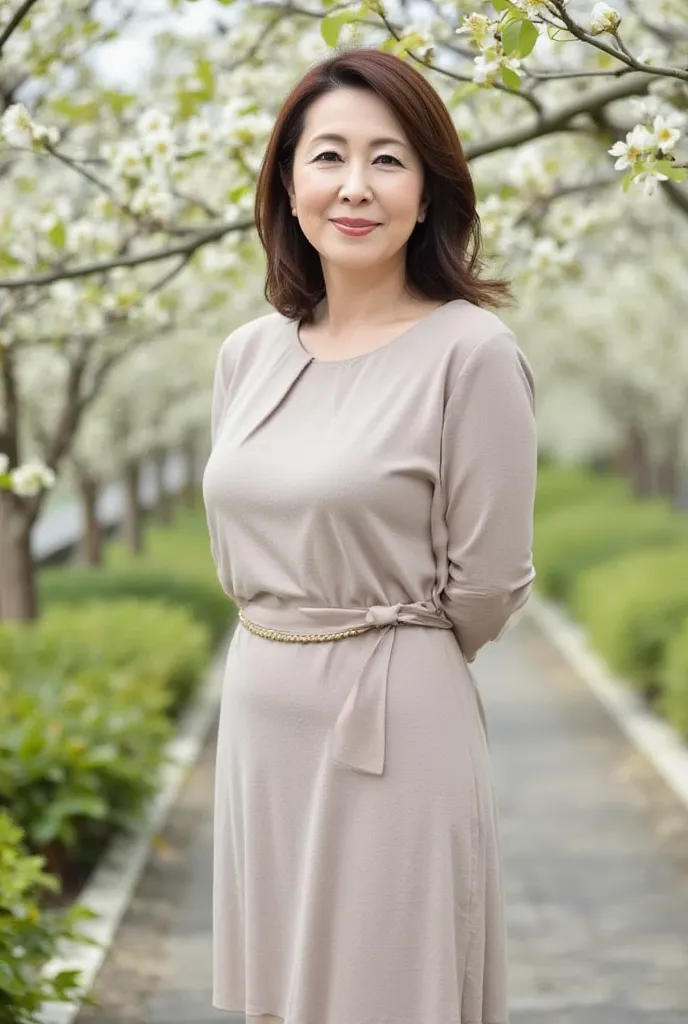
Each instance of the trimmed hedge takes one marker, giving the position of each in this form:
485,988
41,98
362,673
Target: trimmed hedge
85,696
569,541
176,567
566,486
632,608
621,566
674,677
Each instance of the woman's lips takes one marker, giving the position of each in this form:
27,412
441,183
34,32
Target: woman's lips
347,229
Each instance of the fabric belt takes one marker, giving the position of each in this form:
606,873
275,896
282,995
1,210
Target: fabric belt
358,738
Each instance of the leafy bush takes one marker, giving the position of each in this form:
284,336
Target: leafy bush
570,540
29,935
176,567
79,586
84,701
674,678
632,608
566,486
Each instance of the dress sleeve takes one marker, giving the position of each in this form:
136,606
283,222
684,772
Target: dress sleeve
219,395
488,474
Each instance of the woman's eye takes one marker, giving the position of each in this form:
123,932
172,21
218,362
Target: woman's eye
331,152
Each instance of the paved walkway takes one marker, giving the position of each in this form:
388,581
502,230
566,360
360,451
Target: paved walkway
596,859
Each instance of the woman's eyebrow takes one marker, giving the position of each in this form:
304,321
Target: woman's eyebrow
332,137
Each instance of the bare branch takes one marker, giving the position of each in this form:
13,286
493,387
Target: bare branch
560,120
620,53
550,76
15,21
70,273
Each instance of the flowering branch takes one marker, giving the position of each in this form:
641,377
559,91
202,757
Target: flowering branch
15,21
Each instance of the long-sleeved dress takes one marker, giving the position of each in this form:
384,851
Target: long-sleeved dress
357,868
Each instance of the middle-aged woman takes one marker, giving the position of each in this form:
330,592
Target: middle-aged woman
369,497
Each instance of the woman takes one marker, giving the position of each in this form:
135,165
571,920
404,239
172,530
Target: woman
369,498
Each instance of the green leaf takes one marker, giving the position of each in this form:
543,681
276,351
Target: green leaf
519,37
330,28
528,38
501,5
672,172
626,180
56,235
510,79
462,92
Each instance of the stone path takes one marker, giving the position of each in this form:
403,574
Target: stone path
596,860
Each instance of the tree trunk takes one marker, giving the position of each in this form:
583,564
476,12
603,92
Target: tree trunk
91,544
18,593
638,462
163,499
189,455
132,521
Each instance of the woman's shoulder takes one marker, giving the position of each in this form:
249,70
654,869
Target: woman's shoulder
245,343
478,338
253,332
468,327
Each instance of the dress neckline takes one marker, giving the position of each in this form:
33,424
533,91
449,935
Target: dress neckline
408,332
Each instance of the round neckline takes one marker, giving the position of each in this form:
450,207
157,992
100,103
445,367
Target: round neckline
301,348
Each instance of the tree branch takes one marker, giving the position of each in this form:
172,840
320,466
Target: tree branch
621,53
70,273
587,103
15,21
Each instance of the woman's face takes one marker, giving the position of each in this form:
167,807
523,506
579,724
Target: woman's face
353,160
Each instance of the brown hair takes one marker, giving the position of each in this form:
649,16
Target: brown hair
443,252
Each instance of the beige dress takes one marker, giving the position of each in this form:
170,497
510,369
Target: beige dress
357,874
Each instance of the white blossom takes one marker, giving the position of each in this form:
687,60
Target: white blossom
31,478
488,65
127,160
153,122
17,126
604,19
533,8
649,178
199,134
479,27
153,197
665,132
639,141
161,147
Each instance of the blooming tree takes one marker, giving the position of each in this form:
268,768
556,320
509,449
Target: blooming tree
127,215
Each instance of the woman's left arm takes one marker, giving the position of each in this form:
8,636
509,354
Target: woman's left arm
489,470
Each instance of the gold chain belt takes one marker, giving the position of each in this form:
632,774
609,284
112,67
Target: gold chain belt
300,638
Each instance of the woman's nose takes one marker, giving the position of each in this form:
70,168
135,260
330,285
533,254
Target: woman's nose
355,185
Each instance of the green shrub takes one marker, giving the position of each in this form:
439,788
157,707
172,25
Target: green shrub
632,607
674,678
566,486
84,701
80,585
569,541
176,567
29,935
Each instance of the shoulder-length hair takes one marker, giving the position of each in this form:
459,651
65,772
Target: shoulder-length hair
443,255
